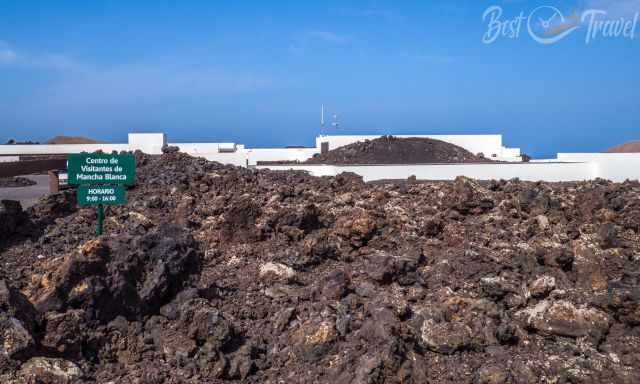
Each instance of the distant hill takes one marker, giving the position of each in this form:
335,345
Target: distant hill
628,147
74,140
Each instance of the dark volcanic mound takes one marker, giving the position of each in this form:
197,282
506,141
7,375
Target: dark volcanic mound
394,150
218,274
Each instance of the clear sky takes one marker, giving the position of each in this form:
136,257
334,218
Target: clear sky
256,72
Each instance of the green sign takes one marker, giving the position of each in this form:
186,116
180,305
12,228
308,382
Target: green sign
100,194
100,178
101,168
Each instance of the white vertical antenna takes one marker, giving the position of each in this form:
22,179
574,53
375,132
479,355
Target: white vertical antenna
322,116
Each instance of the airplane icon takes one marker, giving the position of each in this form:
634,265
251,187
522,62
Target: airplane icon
553,28
546,24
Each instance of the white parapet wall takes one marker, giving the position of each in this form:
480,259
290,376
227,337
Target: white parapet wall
225,153
150,143
611,166
237,154
201,149
280,154
552,172
616,167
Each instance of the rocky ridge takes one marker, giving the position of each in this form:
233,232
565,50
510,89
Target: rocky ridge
397,150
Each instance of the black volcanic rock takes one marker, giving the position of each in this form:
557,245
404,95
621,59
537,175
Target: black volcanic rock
214,273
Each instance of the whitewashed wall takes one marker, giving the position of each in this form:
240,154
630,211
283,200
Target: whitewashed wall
237,158
196,149
524,171
216,152
244,156
277,154
611,166
8,159
151,143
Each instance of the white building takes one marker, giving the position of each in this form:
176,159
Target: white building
566,167
489,145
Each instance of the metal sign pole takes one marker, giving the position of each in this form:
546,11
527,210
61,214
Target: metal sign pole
100,220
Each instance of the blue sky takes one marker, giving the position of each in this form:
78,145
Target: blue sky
256,72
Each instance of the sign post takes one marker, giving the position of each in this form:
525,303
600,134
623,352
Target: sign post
100,220
101,179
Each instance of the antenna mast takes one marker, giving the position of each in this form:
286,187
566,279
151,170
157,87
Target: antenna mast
335,123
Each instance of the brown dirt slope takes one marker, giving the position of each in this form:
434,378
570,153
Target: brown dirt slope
73,140
217,274
394,150
628,147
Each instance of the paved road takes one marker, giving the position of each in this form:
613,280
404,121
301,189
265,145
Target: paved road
27,196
